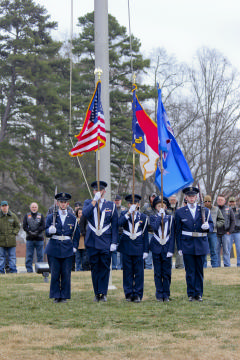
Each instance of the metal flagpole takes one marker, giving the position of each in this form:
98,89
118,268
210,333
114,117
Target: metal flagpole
102,61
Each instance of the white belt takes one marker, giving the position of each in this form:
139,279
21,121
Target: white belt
160,240
132,236
194,234
61,237
100,231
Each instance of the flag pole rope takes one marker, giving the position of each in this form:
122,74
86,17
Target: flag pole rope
70,98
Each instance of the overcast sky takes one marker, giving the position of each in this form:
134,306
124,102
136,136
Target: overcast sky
180,26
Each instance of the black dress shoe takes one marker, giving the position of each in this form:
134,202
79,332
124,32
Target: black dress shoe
129,298
160,299
56,301
198,298
103,298
63,300
191,298
96,298
136,299
166,299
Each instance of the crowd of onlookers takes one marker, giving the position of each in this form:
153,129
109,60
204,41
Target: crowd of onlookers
225,215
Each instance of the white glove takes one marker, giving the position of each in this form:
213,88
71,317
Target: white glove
145,255
74,250
205,226
97,196
169,254
180,252
113,247
161,211
52,230
132,208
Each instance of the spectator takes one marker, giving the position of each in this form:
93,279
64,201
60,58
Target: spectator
9,228
218,221
82,262
224,232
235,236
33,225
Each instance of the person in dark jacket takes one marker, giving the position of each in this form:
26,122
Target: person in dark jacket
82,262
34,226
134,247
9,228
224,232
162,247
192,241
235,236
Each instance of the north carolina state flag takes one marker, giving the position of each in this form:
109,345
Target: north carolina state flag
145,138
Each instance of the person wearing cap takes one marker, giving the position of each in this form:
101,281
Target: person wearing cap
120,208
224,232
218,221
64,233
134,246
149,210
34,226
192,241
101,238
9,228
171,209
162,247
235,235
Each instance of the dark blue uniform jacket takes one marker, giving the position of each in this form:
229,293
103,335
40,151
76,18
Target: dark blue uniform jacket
59,248
185,222
110,236
140,244
156,223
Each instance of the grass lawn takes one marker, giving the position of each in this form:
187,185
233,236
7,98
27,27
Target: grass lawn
32,327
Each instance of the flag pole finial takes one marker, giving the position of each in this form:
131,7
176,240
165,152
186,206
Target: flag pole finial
134,78
98,71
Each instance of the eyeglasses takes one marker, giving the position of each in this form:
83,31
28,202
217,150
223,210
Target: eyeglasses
207,201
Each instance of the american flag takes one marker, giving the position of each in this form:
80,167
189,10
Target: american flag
93,129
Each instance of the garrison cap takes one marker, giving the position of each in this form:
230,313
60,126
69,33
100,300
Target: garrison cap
158,200
102,185
4,202
118,197
129,198
77,203
63,196
232,199
191,190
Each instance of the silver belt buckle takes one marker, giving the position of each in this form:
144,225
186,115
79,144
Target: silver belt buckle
195,234
133,236
98,232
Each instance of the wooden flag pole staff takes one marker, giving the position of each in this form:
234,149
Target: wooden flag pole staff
98,71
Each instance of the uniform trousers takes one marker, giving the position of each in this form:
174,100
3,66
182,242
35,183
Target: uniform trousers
162,274
194,274
60,287
133,275
100,261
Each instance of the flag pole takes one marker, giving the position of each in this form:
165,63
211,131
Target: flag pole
133,187
98,71
162,191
